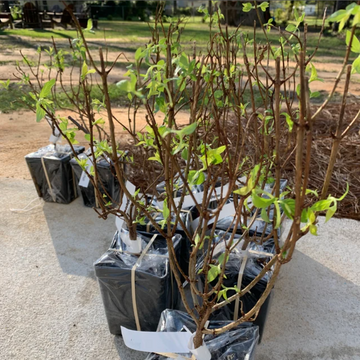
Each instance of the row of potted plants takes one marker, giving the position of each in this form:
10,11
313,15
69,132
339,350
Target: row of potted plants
201,221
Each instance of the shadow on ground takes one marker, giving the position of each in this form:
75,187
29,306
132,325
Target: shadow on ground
314,314
78,235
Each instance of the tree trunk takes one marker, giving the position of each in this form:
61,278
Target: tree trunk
132,232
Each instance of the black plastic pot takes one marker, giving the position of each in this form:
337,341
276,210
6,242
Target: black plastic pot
236,344
108,183
254,265
52,174
155,288
185,242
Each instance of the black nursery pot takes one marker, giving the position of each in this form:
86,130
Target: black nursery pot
253,267
108,182
52,174
155,288
238,343
185,245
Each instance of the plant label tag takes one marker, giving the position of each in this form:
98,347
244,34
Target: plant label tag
156,342
201,353
84,179
54,139
119,221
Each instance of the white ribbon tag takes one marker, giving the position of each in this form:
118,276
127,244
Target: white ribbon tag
131,188
54,139
201,353
156,342
84,179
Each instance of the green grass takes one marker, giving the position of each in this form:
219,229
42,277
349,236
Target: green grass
14,98
134,34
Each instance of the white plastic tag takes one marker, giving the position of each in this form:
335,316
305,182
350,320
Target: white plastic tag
201,353
133,246
159,342
189,201
54,139
131,188
84,179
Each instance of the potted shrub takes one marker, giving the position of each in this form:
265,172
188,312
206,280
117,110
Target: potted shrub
235,146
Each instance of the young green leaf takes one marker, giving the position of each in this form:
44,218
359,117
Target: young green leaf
89,24
346,192
355,45
188,130
278,215
264,5
264,215
247,7
84,71
288,206
288,120
261,202
313,229
322,205
356,65
45,91
213,273
331,211
166,211
40,113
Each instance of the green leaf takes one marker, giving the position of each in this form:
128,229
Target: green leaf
213,273
45,91
291,28
356,65
264,5
337,16
184,61
314,76
138,53
346,192
261,202
356,19
278,215
84,70
218,94
88,137
264,215
166,211
321,205
99,122
89,24
196,177
40,113
188,130
331,211
313,192
314,94
355,45
247,7
288,206
288,121
313,229
184,154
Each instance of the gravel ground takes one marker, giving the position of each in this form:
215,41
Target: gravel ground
50,305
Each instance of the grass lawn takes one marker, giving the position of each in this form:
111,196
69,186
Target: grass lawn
128,36
135,33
